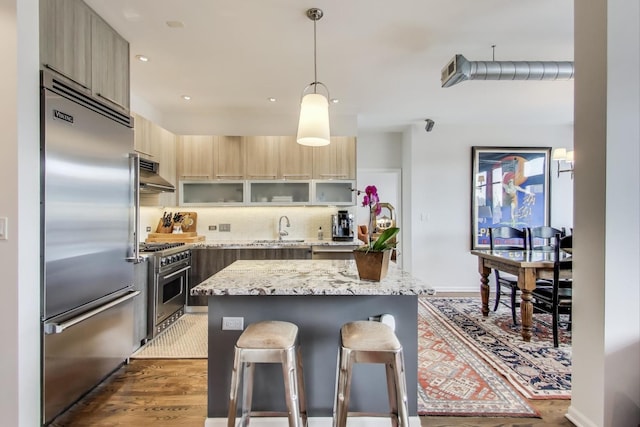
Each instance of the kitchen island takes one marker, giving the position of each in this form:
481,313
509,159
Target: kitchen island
319,296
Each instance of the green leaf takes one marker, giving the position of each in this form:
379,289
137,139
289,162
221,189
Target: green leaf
381,244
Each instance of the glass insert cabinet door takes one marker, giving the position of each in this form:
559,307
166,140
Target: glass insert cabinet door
199,193
338,192
279,192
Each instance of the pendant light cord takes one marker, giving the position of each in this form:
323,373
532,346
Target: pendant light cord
315,63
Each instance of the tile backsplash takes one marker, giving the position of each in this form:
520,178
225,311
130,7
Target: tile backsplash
250,222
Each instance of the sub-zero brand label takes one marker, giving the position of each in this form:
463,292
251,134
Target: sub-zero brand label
62,116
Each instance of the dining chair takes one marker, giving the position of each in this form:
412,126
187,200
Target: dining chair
507,238
556,299
542,237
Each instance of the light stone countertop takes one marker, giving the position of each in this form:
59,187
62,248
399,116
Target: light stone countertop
273,243
306,277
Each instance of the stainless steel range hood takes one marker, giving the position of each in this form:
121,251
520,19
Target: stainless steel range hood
151,181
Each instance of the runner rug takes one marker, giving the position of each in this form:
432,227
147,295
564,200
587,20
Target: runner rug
536,369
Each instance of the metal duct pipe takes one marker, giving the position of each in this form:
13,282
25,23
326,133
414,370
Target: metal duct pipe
460,69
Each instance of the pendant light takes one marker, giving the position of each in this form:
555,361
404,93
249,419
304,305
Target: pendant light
313,126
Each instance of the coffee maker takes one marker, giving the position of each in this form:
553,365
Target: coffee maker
342,226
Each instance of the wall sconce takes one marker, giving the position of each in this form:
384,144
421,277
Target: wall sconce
562,155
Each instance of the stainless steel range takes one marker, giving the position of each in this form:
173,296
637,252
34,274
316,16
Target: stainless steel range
169,271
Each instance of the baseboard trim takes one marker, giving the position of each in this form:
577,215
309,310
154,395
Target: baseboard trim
578,418
313,422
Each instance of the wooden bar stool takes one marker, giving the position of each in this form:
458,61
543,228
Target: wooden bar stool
370,342
268,342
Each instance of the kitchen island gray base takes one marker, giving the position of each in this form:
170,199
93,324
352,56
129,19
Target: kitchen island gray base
319,318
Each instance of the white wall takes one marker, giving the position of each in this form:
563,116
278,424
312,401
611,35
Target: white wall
440,163
19,174
606,335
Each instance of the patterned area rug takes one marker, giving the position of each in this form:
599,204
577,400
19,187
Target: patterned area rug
454,380
186,339
536,369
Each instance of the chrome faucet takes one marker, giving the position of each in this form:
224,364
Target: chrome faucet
282,232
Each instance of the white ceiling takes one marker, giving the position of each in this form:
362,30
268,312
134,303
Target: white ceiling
381,59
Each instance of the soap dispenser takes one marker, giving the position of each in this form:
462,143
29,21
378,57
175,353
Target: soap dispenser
320,234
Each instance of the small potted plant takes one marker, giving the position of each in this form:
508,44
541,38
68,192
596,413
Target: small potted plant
372,259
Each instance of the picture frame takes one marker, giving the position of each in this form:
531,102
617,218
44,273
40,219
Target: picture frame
509,186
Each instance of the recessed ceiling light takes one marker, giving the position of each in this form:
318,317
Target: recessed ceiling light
142,58
334,100
175,24
186,97
271,99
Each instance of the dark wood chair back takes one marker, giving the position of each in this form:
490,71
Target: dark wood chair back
507,238
542,238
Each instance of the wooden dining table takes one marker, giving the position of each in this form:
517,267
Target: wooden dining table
529,266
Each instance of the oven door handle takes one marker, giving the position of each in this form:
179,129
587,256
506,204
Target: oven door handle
175,273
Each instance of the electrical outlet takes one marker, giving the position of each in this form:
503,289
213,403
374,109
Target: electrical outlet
148,229
224,227
232,323
213,228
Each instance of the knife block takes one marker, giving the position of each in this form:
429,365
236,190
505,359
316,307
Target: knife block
162,229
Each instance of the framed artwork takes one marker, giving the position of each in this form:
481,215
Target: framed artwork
510,186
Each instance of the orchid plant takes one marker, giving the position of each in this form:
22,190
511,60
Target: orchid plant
372,201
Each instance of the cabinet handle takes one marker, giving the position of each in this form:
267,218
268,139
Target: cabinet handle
262,176
195,176
106,98
228,176
297,175
52,68
334,175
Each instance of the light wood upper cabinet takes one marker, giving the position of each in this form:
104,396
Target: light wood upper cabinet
210,157
159,145
142,137
65,39
262,157
277,157
195,157
228,157
78,44
296,161
110,64
336,160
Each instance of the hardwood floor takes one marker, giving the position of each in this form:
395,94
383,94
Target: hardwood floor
173,392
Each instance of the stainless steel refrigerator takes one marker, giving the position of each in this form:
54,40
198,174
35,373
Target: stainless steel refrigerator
88,243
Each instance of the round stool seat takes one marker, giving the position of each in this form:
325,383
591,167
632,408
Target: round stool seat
269,334
369,336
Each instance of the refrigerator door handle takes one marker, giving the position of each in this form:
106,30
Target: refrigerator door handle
134,164
58,328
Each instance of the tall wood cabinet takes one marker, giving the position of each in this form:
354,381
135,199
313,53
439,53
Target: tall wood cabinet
79,45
